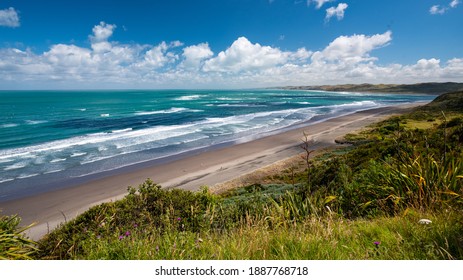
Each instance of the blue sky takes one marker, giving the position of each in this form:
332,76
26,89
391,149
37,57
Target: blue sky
228,43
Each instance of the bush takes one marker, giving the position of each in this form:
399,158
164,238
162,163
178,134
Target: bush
146,210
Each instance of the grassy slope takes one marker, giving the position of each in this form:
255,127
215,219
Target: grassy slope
449,102
393,176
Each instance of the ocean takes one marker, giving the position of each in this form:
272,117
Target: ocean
53,139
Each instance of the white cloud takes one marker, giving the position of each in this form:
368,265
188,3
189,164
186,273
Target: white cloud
156,57
153,59
20,65
242,55
338,11
439,10
301,55
68,55
194,55
428,64
175,44
454,3
318,3
109,64
456,63
101,34
453,69
353,49
9,18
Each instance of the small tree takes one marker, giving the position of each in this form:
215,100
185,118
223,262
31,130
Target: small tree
444,123
306,146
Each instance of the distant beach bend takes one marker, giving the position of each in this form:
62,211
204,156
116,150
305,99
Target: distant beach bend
196,169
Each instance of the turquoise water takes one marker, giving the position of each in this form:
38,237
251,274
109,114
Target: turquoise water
51,137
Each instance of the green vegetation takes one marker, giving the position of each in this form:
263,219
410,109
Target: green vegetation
452,102
13,244
363,201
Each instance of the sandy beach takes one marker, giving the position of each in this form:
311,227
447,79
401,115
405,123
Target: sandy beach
205,168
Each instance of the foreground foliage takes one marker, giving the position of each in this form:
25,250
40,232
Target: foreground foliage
13,244
334,238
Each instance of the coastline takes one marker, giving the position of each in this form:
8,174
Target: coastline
200,168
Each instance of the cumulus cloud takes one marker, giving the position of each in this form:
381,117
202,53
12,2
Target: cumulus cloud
109,64
353,49
242,55
18,65
101,34
9,18
194,55
336,11
428,64
156,57
68,56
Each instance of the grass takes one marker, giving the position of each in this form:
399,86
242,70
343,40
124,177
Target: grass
333,238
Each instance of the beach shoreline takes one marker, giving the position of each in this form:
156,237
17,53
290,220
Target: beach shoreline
200,168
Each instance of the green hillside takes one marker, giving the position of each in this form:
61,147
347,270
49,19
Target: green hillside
452,101
429,88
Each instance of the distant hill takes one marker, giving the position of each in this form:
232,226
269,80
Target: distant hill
451,101
429,88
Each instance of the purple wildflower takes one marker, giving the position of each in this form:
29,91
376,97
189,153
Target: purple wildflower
377,243
135,225
121,237
127,233
178,219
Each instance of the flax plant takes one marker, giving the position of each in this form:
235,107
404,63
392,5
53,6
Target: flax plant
424,182
14,245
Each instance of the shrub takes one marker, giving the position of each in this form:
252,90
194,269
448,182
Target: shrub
146,209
